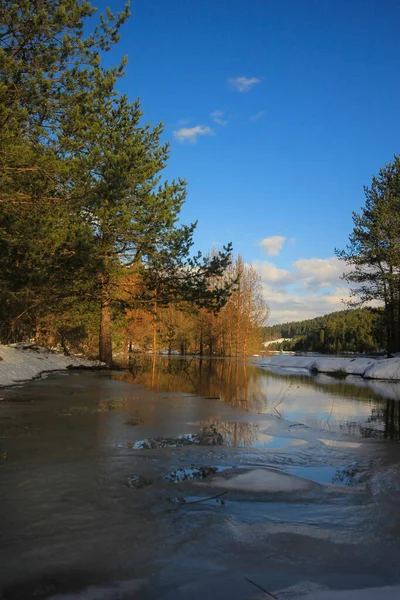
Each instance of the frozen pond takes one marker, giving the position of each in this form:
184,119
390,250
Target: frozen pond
112,480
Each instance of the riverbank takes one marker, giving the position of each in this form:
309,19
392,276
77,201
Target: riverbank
368,368
300,497
21,363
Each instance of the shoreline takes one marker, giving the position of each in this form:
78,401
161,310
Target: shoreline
387,369
19,365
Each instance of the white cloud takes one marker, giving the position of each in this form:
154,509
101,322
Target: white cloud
339,294
288,305
217,118
271,274
319,272
312,287
258,115
190,134
309,273
243,84
273,245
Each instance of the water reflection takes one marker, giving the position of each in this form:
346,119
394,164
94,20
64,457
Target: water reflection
236,434
234,382
240,434
353,406
383,422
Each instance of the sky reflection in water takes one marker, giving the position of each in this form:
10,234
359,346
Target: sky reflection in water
348,406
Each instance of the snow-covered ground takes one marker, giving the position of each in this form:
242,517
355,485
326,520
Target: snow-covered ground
382,593
19,364
369,368
278,341
127,590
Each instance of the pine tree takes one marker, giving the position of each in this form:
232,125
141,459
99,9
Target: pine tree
133,216
374,249
85,216
47,66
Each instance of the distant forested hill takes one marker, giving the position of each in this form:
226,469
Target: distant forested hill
355,330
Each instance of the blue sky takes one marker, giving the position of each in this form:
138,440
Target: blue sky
278,113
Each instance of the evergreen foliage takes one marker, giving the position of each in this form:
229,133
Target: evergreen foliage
85,218
354,330
373,252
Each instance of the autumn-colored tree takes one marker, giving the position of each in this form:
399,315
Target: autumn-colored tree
236,329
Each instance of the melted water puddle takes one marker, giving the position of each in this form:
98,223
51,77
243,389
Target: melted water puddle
325,475
240,434
275,442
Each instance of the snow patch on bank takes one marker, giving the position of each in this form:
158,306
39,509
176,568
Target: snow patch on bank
263,480
369,368
382,593
19,364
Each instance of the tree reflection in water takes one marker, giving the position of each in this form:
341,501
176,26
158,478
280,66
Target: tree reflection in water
236,434
361,409
383,423
234,382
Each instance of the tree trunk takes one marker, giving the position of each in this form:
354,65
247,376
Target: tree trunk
130,354
155,329
398,321
153,370
125,359
105,343
239,307
392,315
